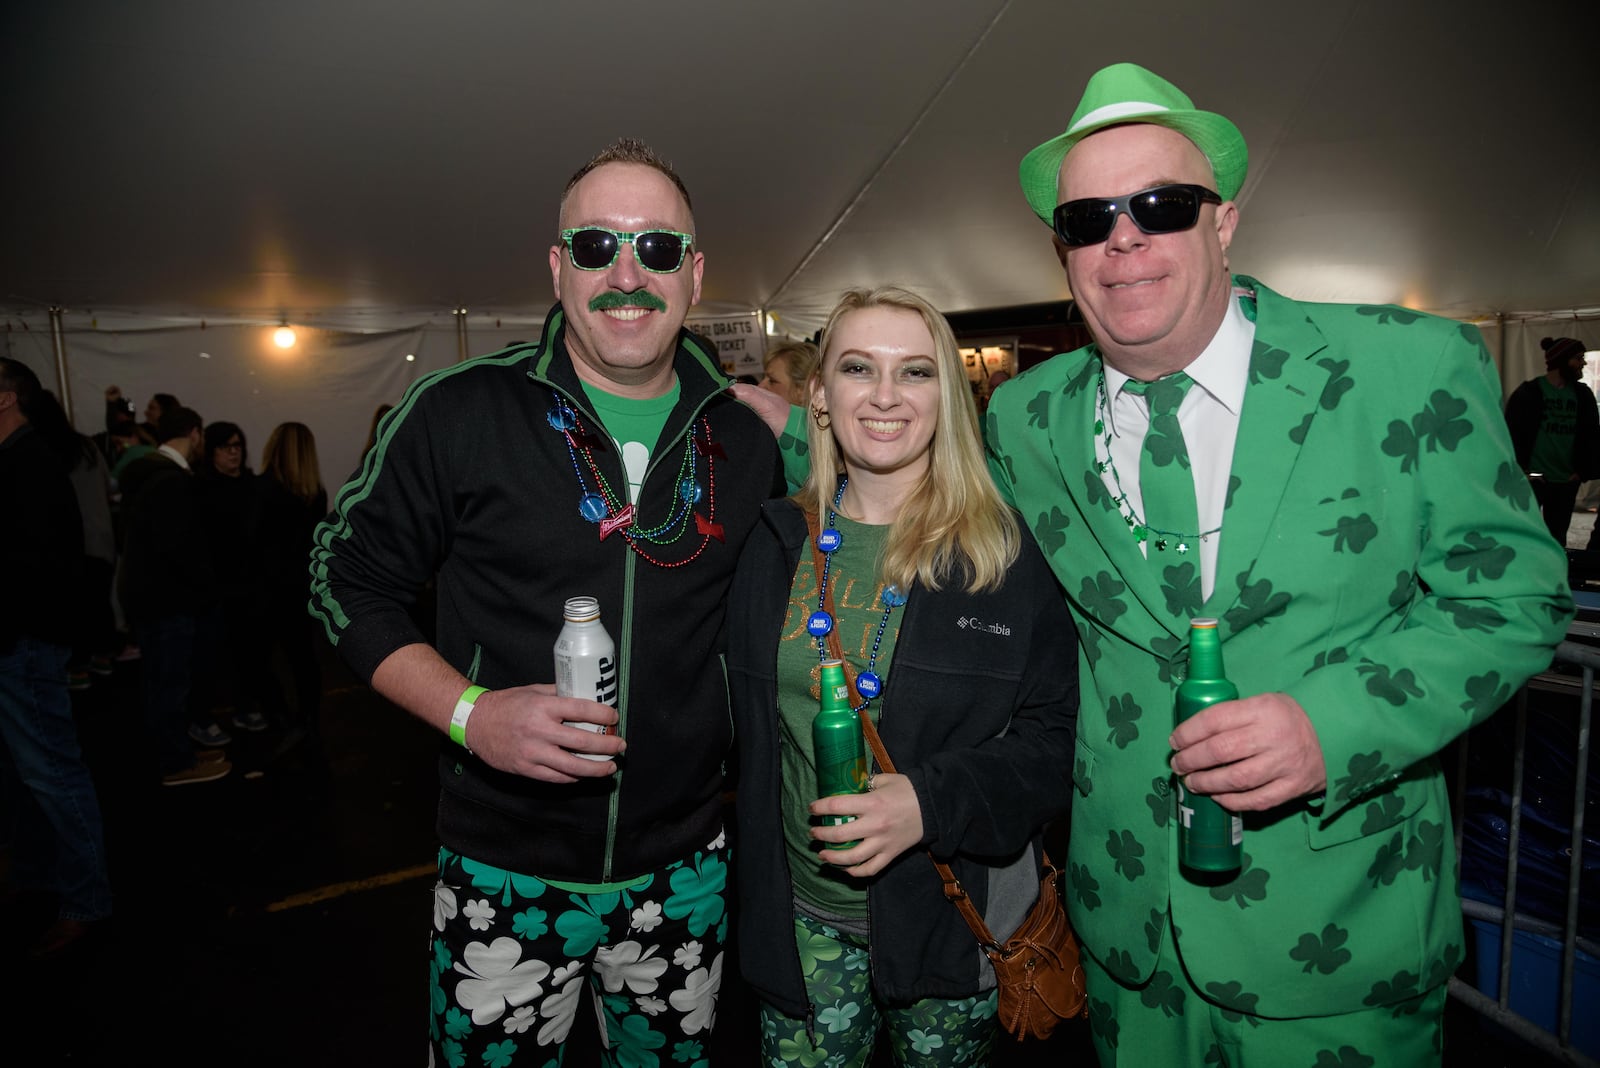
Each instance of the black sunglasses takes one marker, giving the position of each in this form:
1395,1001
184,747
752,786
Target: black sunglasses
594,248
1161,209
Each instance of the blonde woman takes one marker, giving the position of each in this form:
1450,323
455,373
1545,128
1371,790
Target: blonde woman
787,369
964,656
293,501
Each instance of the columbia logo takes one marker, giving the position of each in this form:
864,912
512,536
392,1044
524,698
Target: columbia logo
974,623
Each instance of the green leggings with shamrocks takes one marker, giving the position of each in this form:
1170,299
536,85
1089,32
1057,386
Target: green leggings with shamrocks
931,1033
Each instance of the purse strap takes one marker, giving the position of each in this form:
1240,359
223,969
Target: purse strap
954,892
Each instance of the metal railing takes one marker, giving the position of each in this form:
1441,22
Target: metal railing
1557,1044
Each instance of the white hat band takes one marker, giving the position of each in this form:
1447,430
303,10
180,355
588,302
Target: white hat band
1123,110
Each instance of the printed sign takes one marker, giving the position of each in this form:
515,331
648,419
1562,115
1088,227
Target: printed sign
740,342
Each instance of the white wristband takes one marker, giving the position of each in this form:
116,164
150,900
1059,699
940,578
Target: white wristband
458,719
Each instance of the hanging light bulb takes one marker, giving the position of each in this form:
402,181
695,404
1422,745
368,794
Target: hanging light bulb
283,337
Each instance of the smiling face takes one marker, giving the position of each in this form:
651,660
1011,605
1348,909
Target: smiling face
620,337
1152,301
880,388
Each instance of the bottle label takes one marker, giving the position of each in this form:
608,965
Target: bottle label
586,667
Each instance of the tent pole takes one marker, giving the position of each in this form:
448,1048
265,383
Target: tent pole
1505,357
461,335
58,342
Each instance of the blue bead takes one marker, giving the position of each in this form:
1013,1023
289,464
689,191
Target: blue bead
819,624
561,418
893,597
690,491
868,684
592,507
829,540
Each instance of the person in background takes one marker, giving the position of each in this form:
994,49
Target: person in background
979,723
292,502
96,641
230,643
372,431
787,368
121,431
994,382
121,442
53,812
167,589
158,404
605,461
1555,429
1335,486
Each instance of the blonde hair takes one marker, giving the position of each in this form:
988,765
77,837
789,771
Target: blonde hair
802,359
291,458
954,526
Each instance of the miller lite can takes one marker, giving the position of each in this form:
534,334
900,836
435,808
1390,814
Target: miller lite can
586,662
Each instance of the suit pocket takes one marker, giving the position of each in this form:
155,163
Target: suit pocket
1343,524
1083,768
1375,814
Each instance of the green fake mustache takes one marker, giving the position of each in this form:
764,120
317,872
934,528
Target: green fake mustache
639,298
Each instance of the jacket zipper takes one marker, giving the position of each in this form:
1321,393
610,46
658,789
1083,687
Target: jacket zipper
625,654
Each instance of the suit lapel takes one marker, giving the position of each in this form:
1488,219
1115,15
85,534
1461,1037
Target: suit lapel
1281,399
1074,432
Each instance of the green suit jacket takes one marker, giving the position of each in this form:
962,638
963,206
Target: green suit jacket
1383,563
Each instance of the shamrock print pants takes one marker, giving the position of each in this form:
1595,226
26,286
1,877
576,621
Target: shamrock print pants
931,1033
512,957
1168,1021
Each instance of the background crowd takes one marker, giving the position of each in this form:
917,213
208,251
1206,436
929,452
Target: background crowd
153,542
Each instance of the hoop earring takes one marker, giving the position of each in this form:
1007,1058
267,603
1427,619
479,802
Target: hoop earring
821,418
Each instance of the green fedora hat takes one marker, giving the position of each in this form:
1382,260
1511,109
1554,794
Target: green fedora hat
1127,93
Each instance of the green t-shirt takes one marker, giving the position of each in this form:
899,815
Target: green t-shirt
1558,428
858,611
635,427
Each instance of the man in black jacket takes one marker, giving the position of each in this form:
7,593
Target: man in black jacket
167,588
603,461
1555,428
59,846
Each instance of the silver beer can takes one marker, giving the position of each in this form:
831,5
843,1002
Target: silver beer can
586,662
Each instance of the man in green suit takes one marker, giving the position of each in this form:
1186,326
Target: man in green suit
1381,578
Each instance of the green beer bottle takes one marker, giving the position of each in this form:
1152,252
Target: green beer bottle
1209,836
841,753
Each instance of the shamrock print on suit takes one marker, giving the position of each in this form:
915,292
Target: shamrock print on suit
1357,571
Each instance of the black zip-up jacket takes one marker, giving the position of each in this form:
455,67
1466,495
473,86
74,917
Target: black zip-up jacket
470,481
979,711
166,570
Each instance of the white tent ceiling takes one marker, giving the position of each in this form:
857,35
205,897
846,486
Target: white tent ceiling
369,165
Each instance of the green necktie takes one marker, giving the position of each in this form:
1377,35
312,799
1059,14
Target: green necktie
1165,481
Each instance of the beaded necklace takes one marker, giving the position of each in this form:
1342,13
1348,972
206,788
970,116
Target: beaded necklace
869,684
1136,524
603,506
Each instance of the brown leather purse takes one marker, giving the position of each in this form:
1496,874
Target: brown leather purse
1037,970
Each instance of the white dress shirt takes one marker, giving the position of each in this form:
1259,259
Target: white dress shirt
174,455
1209,418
